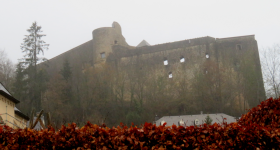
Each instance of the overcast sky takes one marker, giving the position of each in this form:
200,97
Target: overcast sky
68,23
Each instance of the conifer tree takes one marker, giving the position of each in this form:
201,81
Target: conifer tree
208,120
19,87
33,46
19,84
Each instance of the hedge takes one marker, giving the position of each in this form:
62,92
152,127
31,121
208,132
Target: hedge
258,129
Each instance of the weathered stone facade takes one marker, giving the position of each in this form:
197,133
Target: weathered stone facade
231,64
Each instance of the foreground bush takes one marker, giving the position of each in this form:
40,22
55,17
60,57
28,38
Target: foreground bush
259,128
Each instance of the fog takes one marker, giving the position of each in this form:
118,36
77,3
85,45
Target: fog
68,24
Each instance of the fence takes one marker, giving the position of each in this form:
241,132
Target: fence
11,124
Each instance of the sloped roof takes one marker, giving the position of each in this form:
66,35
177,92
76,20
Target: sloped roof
143,43
16,109
7,94
189,119
38,125
4,89
18,112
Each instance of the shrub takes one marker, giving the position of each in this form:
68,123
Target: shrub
259,128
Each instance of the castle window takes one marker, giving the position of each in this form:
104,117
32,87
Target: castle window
170,75
165,62
182,59
207,55
103,55
238,47
115,41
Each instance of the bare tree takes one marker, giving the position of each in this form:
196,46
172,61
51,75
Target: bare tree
6,69
270,61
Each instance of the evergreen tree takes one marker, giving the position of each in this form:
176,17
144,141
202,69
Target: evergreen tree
33,46
19,85
208,120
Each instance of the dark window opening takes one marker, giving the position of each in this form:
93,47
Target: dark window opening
239,47
116,42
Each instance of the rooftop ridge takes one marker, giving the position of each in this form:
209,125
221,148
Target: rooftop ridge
178,41
71,49
197,115
235,37
4,89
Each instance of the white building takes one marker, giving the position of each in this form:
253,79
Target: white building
191,120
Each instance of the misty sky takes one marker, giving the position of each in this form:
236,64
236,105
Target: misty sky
68,23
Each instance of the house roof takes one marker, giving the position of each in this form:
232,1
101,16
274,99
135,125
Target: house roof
38,125
189,120
7,94
143,43
18,112
4,89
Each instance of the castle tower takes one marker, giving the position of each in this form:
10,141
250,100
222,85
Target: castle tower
103,40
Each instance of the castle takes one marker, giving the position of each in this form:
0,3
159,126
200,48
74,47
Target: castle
222,68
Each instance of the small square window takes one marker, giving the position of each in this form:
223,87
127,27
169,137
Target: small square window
103,55
165,62
207,55
182,59
170,75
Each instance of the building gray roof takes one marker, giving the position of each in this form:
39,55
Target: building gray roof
189,120
18,112
16,109
38,125
4,92
4,89
143,43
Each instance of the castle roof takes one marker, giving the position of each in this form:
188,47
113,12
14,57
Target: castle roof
143,43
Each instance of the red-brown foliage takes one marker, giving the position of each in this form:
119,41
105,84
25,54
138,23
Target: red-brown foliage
259,128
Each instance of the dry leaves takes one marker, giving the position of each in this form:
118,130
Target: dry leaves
258,129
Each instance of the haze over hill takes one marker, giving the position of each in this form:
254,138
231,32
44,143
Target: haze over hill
69,23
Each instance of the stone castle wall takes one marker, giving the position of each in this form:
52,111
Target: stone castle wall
233,62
